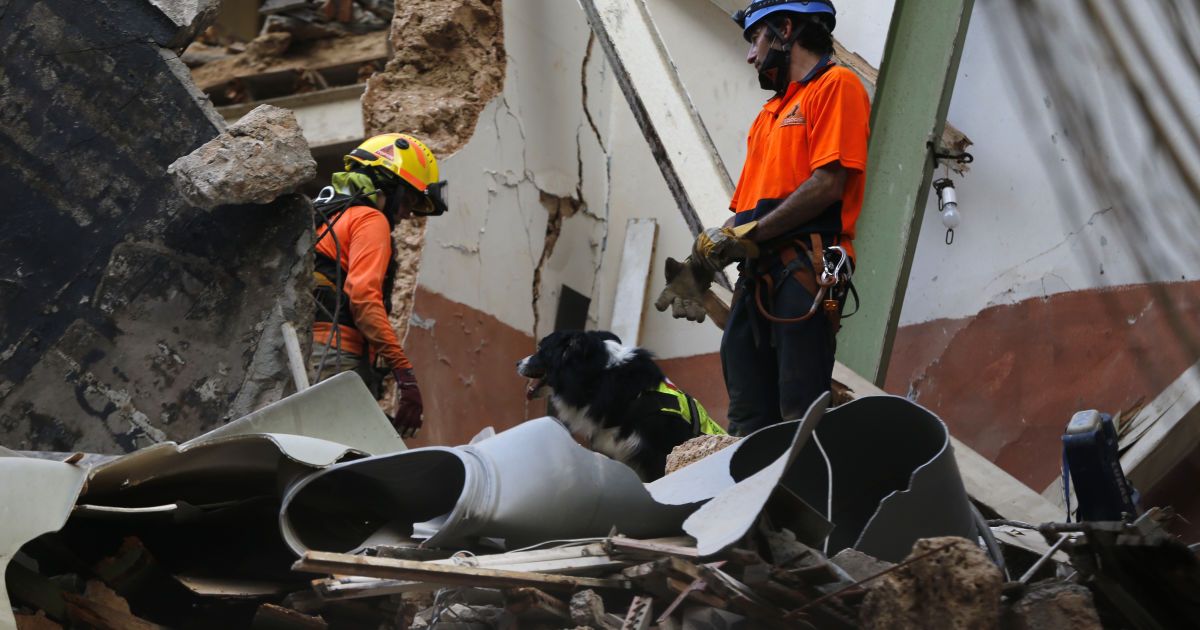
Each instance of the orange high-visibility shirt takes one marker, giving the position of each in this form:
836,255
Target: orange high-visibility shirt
365,241
810,125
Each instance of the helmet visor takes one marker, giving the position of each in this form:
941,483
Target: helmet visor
435,198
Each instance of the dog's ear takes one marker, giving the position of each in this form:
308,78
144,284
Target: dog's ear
605,335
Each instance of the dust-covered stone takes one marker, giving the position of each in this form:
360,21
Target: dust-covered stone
696,449
1052,604
262,156
957,587
859,565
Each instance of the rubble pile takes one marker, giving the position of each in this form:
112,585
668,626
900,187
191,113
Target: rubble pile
311,513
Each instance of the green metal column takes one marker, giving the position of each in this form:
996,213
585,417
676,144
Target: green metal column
916,80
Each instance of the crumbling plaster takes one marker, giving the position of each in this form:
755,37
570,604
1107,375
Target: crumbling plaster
1022,236
562,136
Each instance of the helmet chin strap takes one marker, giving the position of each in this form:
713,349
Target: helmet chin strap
776,64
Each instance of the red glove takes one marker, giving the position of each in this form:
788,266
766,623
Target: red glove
410,407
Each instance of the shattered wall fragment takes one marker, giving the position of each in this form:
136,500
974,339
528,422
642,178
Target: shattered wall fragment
127,316
260,157
449,62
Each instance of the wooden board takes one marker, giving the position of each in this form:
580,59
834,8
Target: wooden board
345,564
633,278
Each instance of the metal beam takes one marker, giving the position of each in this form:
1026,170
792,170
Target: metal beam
920,64
681,145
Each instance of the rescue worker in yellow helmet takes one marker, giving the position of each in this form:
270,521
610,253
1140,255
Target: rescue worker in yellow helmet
387,178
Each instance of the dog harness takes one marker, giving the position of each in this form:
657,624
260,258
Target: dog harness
675,401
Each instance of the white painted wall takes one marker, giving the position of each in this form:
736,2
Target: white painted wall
1029,227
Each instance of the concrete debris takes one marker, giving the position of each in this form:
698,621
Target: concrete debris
153,319
859,565
197,532
318,19
278,64
262,156
696,449
1050,605
955,585
188,17
1139,570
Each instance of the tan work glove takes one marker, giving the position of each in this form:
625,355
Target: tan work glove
686,283
716,247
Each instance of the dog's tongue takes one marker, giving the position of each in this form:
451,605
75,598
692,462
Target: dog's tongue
531,390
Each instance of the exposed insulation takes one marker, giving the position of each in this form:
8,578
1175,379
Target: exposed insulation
449,62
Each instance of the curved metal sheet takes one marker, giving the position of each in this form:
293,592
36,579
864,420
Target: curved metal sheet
36,497
895,479
725,519
524,485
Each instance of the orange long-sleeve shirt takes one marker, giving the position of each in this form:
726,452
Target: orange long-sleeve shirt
365,249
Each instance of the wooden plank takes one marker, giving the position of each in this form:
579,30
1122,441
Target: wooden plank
274,617
346,564
1173,433
532,605
633,279
985,482
571,560
656,548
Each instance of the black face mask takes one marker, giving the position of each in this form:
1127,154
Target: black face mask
773,71
776,64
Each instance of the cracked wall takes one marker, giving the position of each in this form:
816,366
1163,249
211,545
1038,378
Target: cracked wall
127,317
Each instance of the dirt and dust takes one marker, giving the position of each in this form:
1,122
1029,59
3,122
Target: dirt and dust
449,62
275,52
697,449
957,586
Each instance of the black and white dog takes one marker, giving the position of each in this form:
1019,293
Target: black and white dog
605,393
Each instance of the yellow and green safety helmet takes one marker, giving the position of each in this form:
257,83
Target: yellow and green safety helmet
403,157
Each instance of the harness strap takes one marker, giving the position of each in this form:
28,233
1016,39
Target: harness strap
695,413
808,278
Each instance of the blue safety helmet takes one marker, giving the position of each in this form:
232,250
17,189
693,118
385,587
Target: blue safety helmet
756,11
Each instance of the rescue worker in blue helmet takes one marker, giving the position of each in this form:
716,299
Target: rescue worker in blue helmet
794,209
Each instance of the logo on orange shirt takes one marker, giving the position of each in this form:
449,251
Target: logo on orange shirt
794,117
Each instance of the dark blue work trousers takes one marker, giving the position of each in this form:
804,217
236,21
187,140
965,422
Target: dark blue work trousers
774,371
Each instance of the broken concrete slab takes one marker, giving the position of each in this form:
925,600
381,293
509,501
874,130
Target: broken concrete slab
257,159
955,583
859,565
189,17
1052,604
151,319
697,449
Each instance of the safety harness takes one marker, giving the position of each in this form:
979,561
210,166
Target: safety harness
829,288
329,276
669,399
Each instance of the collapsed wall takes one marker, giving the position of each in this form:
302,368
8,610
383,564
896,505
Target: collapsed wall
449,62
126,315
